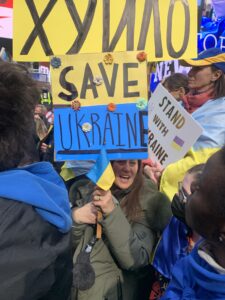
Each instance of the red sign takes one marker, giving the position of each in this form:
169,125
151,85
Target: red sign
6,14
6,3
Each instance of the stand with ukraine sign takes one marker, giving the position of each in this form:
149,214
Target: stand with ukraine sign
172,130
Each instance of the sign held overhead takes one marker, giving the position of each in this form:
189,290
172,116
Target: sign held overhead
165,29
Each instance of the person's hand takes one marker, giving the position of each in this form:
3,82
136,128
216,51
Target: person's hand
154,172
86,214
103,200
44,147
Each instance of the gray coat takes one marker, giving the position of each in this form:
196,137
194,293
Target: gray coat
125,247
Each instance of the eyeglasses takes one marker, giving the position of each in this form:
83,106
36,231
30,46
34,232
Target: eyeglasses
182,193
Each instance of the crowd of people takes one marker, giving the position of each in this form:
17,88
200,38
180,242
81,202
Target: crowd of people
162,230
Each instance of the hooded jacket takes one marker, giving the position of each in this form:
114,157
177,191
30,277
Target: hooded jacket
39,185
193,278
35,245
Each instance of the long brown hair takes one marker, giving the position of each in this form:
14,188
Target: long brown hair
219,85
131,202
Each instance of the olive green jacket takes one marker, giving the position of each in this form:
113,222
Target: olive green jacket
125,247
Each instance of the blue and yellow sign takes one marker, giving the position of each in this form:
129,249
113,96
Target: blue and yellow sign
100,100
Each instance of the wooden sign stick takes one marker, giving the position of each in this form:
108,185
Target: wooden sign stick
99,226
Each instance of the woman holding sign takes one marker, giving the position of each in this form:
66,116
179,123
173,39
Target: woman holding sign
206,103
134,213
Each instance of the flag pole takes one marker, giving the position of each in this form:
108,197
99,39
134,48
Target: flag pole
103,176
99,226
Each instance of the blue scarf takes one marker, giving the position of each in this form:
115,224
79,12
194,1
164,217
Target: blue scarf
39,185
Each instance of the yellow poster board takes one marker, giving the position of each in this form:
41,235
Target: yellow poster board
100,99
98,78
165,29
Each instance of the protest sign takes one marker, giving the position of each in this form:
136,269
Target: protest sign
165,29
172,130
100,99
6,20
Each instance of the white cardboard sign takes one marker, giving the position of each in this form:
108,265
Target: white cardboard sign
172,130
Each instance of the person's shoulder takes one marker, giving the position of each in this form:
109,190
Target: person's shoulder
151,194
217,104
10,210
22,225
37,249
21,220
192,263
149,185
156,205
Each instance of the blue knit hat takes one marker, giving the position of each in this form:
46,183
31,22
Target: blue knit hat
209,57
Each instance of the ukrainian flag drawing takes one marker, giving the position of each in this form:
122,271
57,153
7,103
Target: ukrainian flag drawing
102,173
177,143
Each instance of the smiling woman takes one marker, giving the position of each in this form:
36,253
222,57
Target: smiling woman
134,213
125,172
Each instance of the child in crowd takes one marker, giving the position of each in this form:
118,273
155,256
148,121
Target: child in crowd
177,85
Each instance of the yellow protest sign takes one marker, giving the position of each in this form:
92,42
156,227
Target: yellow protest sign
98,78
100,99
165,29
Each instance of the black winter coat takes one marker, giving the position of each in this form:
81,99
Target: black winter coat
35,258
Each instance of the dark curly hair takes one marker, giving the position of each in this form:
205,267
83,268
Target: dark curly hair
18,96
